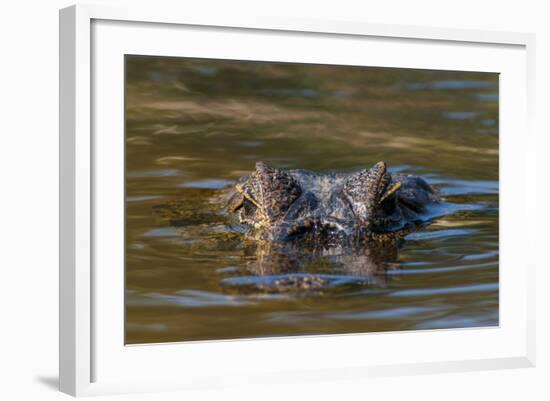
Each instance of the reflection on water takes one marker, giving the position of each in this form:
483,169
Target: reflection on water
195,126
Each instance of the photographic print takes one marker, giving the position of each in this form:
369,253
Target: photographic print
269,199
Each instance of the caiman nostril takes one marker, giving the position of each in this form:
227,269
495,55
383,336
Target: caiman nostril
329,226
300,227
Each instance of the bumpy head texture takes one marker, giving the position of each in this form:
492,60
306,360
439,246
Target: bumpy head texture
266,196
372,195
285,203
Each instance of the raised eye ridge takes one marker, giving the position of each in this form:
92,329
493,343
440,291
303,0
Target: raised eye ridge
271,190
366,188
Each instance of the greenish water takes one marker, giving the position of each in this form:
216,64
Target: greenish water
195,126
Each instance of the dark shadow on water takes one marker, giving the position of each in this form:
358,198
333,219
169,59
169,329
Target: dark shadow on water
51,382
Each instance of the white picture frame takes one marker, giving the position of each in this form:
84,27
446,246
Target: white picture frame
82,344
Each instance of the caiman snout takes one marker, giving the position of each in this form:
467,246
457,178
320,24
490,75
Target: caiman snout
319,227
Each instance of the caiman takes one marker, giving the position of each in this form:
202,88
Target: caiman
304,230
331,209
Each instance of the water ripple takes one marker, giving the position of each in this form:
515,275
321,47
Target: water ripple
153,173
461,320
463,187
461,115
455,84
206,184
437,234
433,270
446,291
392,313
189,299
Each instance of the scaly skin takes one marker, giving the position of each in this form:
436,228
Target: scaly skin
333,209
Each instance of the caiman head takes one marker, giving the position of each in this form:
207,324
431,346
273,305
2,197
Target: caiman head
329,208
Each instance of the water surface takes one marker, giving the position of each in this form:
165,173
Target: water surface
194,126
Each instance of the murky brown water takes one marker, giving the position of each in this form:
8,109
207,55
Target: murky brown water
194,126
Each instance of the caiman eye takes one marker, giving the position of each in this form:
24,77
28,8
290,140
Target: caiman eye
270,190
388,205
388,199
248,209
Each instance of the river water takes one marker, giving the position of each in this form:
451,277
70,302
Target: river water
195,126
